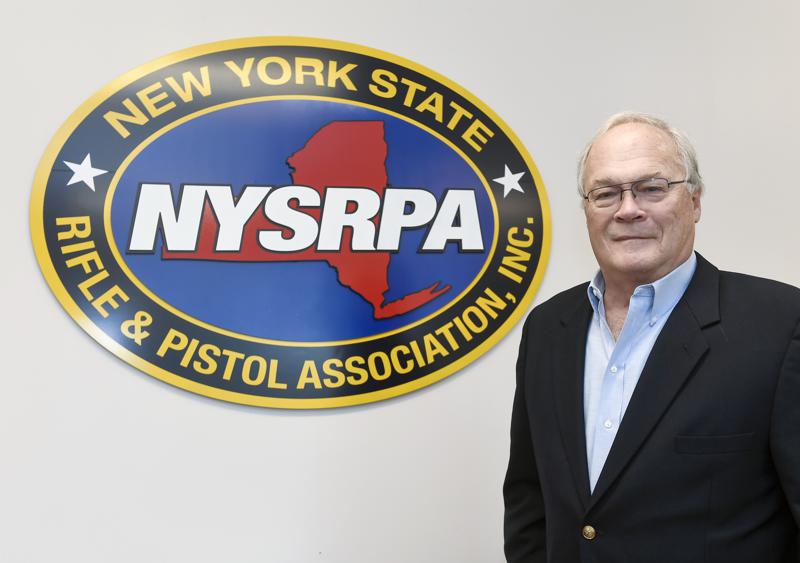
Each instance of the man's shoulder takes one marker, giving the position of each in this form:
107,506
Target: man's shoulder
760,293
756,283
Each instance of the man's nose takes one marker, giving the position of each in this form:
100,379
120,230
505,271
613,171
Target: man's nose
629,209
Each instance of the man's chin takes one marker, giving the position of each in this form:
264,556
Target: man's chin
637,264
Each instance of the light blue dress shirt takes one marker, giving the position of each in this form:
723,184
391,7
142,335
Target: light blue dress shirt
613,368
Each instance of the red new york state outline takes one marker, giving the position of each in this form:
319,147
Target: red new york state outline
342,153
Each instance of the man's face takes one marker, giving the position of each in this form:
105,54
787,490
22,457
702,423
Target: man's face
635,244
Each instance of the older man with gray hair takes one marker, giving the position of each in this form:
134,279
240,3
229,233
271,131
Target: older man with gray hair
657,410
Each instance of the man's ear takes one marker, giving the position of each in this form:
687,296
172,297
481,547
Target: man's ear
697,206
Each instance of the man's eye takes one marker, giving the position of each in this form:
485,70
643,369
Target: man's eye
604,195
651,189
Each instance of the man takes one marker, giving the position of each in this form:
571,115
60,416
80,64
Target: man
657,411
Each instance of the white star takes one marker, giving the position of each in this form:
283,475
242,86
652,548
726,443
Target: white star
84,172
510,181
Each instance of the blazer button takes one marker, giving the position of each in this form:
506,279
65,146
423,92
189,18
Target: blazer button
588,532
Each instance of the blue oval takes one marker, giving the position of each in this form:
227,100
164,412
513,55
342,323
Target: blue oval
293,301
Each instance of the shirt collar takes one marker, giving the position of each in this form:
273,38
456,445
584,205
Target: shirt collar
666,291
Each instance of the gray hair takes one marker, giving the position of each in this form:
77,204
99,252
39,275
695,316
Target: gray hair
684,146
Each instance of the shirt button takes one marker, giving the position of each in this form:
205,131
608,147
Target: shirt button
613,369
608,424
589,533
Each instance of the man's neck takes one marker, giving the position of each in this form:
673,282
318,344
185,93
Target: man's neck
619,288
618,292
615,302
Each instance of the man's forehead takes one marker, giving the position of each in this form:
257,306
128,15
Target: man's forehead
636,137
631,148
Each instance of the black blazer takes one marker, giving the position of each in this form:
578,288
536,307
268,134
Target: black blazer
705,467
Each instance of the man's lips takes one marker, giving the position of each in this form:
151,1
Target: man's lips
630,237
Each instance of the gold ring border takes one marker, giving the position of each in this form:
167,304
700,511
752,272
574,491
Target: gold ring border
43,256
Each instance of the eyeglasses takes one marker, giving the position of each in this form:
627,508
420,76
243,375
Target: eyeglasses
652,190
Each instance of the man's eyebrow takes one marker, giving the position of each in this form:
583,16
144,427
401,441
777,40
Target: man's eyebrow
608,181
600,182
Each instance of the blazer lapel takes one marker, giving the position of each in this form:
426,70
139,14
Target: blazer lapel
568,385
679,348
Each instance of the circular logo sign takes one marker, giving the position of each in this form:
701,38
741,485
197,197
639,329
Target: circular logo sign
290,222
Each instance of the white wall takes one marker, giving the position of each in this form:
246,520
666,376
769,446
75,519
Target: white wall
99,462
